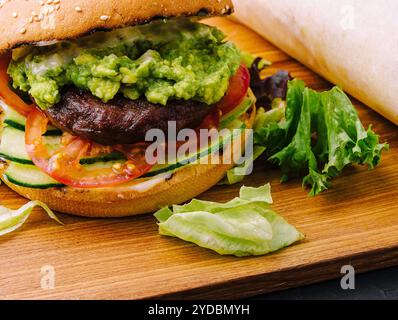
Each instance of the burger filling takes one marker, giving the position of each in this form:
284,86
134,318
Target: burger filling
107,90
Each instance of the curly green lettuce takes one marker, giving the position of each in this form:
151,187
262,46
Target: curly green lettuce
318,136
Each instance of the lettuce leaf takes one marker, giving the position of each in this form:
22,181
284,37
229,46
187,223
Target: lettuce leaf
275,134
297,156
243,226
318,130
10,220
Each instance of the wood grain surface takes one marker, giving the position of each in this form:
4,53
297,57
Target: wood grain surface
355,222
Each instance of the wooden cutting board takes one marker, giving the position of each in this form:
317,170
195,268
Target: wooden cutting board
356,222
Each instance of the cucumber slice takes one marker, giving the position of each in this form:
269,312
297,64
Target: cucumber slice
12,145
29,176
111,157
17,121
239,110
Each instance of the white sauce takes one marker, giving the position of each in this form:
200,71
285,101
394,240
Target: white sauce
151,183
156,32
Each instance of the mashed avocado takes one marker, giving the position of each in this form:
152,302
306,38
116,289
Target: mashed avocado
162,61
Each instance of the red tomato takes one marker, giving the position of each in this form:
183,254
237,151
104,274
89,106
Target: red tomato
63,164
211,121
239,84
6,94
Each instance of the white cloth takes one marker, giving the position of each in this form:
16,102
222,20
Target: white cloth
352,43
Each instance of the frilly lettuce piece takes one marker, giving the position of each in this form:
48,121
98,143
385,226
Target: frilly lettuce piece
275,135
242,227
342,139
347,140
329,119
10,220
298,156
319,182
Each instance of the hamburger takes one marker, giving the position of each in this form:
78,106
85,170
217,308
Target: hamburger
81,85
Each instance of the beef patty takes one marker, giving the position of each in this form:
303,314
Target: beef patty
121,121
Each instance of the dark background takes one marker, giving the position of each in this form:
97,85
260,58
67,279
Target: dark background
377,285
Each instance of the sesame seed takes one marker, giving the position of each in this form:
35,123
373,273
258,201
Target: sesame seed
57,6
78,9
15,15
41,3
30,20
22,31
117,166
105,18
56,1
49,1
131,166
34,13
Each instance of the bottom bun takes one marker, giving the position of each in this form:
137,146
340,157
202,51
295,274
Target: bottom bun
134,198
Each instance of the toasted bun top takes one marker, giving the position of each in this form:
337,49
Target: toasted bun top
34,21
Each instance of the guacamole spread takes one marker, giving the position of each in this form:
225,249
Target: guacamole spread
162,61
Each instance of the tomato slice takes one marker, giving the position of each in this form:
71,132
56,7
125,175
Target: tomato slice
211,121
6,94
239,84
63,164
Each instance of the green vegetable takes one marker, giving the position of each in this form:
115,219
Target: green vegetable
159,61
318,129
242,227
248,59
10,220
241,109
238,174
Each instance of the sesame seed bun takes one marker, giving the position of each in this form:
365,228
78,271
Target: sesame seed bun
34,21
